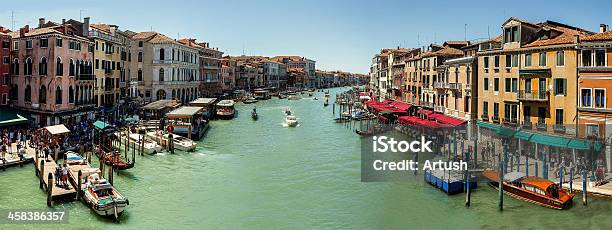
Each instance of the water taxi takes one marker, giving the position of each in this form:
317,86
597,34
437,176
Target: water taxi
103,198
150,147
180,143
225,109
532,189
291,121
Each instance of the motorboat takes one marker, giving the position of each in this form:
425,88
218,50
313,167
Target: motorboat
294,97
531,189
180,142
150,147
103,198
291,121
250,101
287,111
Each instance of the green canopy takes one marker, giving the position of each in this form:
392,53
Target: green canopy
584,144
523,135
386,112
11,117
550,140
101,125
506,132
488,125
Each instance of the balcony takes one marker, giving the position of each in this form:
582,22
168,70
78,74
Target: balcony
511,122
559,128
495,119
540,96
527,124
484,117
440,85
541,126
455,86
439,109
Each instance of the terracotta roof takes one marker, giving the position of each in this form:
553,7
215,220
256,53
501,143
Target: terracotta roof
101,26
445,52
190,42
605,36
566,36
155,37
34,32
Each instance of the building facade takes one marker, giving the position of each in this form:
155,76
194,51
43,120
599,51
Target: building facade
165,68
51,73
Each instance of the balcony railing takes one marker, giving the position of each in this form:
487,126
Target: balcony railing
559,128
439,109
533,95
439,85
455,86
495,119
484,117
541,125
527,124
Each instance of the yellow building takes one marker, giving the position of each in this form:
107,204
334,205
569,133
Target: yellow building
529,75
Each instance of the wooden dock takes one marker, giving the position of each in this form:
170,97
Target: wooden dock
45,169
12,160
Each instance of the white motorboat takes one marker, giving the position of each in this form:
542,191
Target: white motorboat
180,143
291,121
102,197
150,147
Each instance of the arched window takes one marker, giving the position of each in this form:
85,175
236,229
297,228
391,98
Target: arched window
28,94
59,67
58,95
78,97
139,56
15,68
161,74
14,92
27,66
161,94
139,74
70,94
72,68
162,54
173,94
42,66
42,94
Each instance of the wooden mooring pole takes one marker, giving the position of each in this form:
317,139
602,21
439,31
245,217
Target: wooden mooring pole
500,182
584,187
49,189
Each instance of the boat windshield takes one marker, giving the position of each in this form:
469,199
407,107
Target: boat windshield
553,190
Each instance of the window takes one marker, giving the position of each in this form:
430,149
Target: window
42,95
560,58
515,85
70,95
139,56
161,74
97,63
28,94
515,35
515,60
507,34
527,59
527,112
508,85
140,44
508,61
42,66
559,116
600,98
496,84
28,44
140,75
510,112
71,68
542,57
600,58
485,108
496,109
6,44
6,60
541,115
496,61
59,67
560,86
15,68
586,58
585,97
58,95
59,42
16,45
161,54
44,43
27,67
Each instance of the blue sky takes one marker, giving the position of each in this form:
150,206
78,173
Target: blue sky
338,34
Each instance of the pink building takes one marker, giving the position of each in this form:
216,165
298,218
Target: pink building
51,69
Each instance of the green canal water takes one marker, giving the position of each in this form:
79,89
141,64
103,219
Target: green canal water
262,175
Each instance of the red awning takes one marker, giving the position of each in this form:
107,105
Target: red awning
408,120
382,118
401,105
447,120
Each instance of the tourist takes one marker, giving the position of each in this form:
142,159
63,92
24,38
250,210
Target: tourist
65,175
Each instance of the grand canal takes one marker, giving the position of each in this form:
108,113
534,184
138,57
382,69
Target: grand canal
262,175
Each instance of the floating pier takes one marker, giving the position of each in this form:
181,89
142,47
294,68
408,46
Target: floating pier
451,182
45,169
15,159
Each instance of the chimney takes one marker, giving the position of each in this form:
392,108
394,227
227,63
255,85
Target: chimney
41,22
24,30
63,21
603,28
86,26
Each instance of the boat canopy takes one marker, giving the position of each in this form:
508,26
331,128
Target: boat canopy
161,104
227,103
203,101
514,176
184,111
